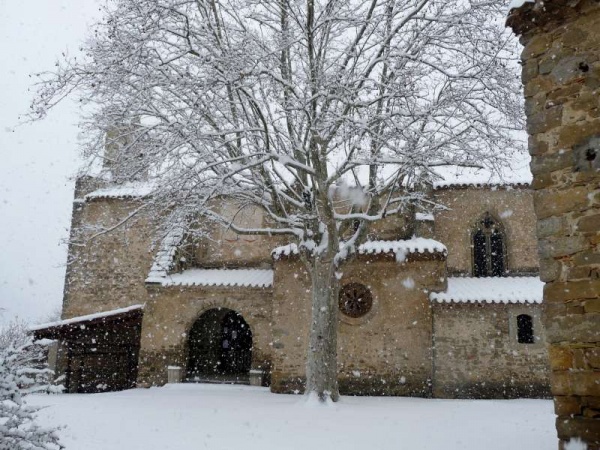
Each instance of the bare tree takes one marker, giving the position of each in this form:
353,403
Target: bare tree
275,104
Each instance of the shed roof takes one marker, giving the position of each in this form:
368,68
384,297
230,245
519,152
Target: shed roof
100,317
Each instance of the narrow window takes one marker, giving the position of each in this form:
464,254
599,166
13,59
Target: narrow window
525,329
488,248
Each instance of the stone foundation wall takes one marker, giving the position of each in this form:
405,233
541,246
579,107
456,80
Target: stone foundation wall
477,355
561,77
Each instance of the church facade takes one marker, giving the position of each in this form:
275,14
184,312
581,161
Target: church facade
450,310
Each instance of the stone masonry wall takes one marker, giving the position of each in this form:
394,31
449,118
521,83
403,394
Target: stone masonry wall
170,313
477,355
513,207
561,77
386,352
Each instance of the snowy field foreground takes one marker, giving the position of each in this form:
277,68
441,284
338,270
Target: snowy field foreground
195,416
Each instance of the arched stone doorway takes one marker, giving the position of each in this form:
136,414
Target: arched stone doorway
219,347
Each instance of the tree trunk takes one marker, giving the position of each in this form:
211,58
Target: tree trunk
321,366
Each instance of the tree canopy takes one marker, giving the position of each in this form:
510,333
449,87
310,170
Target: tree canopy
282,105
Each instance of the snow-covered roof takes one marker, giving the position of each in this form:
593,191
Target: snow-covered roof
453,176
413,245
424,217
87,318
127,190
163,261
400,248
491,290
217,277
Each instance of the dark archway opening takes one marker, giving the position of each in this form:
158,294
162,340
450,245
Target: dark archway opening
219,347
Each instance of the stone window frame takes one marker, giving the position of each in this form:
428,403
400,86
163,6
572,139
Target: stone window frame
499,226
538,331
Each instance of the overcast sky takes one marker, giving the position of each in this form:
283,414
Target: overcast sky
37,162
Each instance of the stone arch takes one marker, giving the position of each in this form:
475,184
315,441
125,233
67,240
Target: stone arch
219,346
488,247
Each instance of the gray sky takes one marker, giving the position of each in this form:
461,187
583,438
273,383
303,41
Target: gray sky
36,161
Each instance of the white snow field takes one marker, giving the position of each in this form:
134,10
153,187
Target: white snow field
199,416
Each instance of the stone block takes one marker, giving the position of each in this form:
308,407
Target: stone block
589,224
592,306
552,162
561,383
550,269
567,405
572,134
571,290
563,94
536,46
537,146
555,203
529,70
561,358
592,358
544,120
570,69
573,328
584,428
562,246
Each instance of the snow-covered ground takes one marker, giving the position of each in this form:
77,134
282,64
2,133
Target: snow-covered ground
196,416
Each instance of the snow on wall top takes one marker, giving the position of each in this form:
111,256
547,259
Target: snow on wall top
138,189
519,174
518,3
491,290
218,277
402,247
86,318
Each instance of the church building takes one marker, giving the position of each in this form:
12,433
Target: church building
444,304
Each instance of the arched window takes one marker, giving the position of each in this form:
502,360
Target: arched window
488,248
525,329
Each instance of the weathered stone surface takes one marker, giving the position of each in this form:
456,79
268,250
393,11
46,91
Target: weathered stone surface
562,246
551,226
583,428
566,405
561,358
550,269
589,223
553,203
573,328
572,290
545,119
550,163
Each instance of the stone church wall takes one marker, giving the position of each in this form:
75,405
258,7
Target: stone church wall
476,353
108,272
513,207
387,351
171,312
